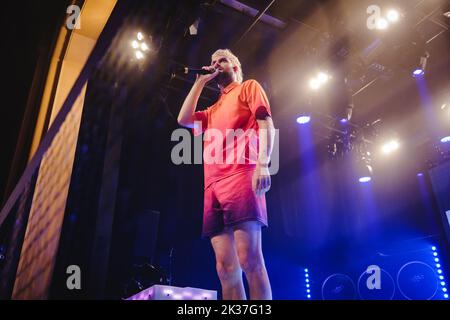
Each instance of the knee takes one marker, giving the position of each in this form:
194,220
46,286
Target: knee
227,271
251,263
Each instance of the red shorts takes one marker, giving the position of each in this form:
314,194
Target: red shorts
231,201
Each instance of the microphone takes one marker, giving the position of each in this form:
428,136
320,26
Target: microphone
187,70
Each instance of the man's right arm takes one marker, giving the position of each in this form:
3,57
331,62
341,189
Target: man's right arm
186,115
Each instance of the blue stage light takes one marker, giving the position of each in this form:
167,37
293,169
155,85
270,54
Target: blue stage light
303,119
418,72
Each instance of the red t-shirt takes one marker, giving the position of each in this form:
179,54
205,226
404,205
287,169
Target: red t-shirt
238,107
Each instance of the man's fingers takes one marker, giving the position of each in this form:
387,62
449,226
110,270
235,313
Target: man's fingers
257,185
268,183
209,68
260,184
265,184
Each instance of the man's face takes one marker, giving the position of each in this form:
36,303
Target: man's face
226,69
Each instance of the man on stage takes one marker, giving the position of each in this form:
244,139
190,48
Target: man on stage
234,195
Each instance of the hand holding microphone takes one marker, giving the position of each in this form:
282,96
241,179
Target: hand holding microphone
204,75
207,75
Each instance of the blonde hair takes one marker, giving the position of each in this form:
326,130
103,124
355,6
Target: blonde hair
227,53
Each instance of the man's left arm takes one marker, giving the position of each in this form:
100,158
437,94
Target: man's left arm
261,179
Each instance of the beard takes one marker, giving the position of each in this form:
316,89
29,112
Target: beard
224,78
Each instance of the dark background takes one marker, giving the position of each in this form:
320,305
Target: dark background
320,217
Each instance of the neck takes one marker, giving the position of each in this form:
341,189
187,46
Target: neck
225,83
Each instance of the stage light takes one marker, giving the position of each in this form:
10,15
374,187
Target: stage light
364,170
141,47
390,147
420,174
445,139
393,15
303,119
319,80
348,112
365,179
139,55
382,24
314,84
439,271
193,28
308,290
420,69
322,77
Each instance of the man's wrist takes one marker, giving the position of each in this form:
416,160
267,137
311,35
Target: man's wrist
200,82
262,164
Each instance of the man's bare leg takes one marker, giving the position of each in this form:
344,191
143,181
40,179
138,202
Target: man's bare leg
249,249
227,265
